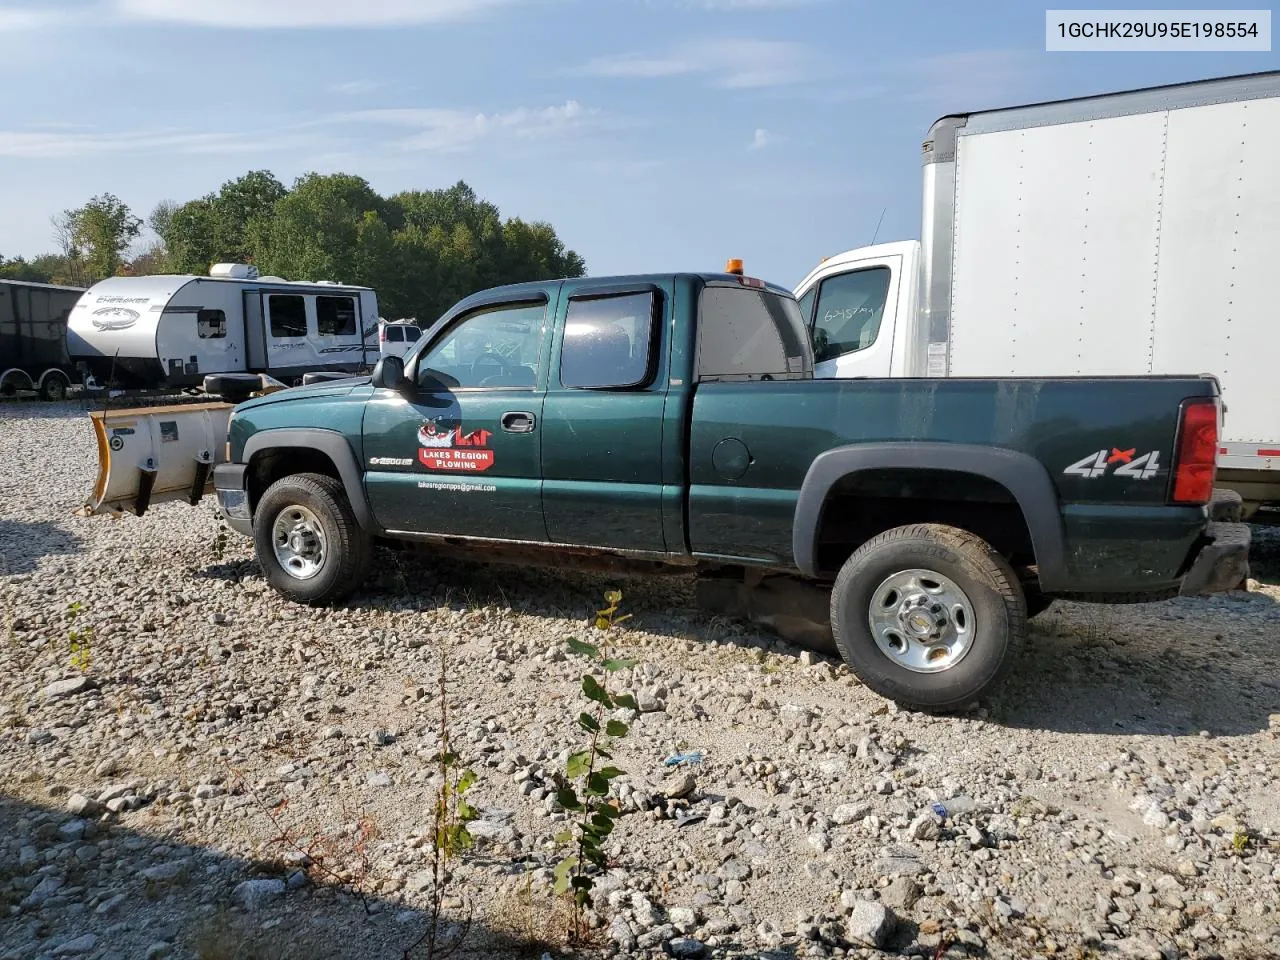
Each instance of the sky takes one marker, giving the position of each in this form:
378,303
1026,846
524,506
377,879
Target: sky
655,135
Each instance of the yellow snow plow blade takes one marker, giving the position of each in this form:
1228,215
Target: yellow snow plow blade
155,454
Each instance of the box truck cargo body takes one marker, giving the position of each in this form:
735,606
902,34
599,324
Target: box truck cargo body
1128,233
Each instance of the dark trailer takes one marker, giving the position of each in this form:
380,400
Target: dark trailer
33,338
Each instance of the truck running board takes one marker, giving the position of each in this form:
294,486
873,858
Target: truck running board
156,454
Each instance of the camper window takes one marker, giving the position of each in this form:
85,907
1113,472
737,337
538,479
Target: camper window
211,324
335,316
288,316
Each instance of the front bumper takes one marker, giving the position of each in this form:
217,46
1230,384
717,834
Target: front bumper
233,497
1222,564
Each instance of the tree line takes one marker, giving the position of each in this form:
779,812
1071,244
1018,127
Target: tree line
421,250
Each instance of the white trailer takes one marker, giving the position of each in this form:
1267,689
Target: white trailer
173,331
1127,233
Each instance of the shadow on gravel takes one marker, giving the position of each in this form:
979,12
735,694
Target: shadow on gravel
406,580
72,886
64,880
24,543
1086,671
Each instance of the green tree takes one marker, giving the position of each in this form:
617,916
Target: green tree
241,212
100,232
21,269
224,227
315,228
188,237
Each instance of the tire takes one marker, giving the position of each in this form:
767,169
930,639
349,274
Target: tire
897,571
318,504
55,386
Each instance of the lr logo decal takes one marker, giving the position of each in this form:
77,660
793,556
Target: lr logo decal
1126,463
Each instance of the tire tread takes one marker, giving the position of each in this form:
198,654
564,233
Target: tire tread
355,549
977,554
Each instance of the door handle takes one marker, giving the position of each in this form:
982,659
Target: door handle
517,421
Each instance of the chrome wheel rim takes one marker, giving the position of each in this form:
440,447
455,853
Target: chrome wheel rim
299,541
922,621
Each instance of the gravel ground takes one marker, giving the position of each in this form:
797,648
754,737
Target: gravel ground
1118,798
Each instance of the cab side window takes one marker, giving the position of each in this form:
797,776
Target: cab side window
850,308
496,346
608,341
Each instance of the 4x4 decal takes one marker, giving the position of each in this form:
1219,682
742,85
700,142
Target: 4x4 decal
1134,467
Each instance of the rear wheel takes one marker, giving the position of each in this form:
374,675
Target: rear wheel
55,386
308,541
929,616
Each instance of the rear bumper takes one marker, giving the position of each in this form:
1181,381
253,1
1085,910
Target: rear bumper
233,497
1222,564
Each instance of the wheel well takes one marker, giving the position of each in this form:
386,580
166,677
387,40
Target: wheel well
268,466
870,502
15,379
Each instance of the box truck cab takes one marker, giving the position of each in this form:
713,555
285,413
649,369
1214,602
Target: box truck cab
1114,235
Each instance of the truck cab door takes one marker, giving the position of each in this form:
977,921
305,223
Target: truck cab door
850,309
603,446
458,451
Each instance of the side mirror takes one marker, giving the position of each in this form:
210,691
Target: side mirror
389,373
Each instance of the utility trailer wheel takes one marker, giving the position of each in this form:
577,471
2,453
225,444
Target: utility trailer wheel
929,616
55,386
308,541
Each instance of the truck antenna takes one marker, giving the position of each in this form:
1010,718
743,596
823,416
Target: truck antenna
878,222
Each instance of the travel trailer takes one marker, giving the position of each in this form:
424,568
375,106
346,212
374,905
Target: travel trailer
173,331
1128,233
33,338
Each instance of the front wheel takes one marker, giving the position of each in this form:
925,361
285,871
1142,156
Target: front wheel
928,615
308,541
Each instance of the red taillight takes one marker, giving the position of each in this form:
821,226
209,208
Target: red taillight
382,334
1195,467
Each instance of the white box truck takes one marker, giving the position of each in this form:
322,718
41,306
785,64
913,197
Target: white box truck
1127,233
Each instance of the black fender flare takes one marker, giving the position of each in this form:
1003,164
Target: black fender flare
331,443
1023,476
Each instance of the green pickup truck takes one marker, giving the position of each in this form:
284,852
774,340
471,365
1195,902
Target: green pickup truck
675,419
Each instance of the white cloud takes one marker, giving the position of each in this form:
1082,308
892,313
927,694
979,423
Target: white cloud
731,63
256,14
756,4
55,144
13,19
356,87
439,130
760,140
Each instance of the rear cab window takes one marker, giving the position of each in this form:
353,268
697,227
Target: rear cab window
749,333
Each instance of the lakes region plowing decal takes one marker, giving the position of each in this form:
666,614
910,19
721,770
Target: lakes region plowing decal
452,450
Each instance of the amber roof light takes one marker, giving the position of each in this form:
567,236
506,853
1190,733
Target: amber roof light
733,266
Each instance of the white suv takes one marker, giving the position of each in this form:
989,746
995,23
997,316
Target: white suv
396,337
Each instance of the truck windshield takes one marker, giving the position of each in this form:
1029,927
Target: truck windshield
751,334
